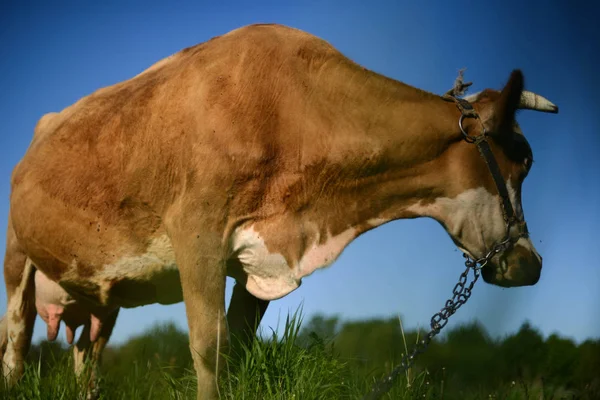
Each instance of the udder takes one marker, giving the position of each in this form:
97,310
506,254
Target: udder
54,304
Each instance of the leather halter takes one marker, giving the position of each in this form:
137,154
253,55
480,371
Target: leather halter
510,218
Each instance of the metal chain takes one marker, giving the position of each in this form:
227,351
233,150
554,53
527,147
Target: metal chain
460,294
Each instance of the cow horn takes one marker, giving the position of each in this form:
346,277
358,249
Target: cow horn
472,97
528,101
533,101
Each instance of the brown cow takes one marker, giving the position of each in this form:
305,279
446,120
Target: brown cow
258,155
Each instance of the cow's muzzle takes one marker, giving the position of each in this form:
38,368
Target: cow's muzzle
521,265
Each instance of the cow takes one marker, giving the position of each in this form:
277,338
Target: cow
259,155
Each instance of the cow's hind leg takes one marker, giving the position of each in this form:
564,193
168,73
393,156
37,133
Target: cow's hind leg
244,315
16,328
87,354
202,271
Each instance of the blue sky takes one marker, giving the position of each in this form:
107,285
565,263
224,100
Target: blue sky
52,56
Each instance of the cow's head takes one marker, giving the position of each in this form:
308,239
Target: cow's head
472,210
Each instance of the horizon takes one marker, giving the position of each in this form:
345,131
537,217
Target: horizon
265,333
52,56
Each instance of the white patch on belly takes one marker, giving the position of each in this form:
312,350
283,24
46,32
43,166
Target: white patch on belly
156,266
474,217
269,275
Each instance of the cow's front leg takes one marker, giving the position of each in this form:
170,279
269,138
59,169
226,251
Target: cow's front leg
244,315
202,270
87,354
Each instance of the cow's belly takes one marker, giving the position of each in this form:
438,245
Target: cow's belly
126,279
146,286
123,261
132,280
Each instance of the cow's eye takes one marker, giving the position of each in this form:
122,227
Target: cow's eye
528,162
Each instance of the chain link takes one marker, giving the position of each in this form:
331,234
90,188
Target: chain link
460,294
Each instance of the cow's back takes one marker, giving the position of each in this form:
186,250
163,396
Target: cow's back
216,98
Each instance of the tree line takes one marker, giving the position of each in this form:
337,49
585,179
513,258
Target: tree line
467,357
466,362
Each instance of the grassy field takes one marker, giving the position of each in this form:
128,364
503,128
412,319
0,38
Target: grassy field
297,364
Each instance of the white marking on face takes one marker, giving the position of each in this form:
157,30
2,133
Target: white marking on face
473,218
512,195
518,207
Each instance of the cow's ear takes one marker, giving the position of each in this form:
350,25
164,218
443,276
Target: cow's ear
507,104
497,109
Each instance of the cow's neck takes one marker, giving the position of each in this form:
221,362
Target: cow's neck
387,154
373,149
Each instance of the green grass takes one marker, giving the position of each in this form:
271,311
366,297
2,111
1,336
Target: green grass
293,365
276,368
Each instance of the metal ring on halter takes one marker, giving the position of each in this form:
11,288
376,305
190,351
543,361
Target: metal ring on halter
469,138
